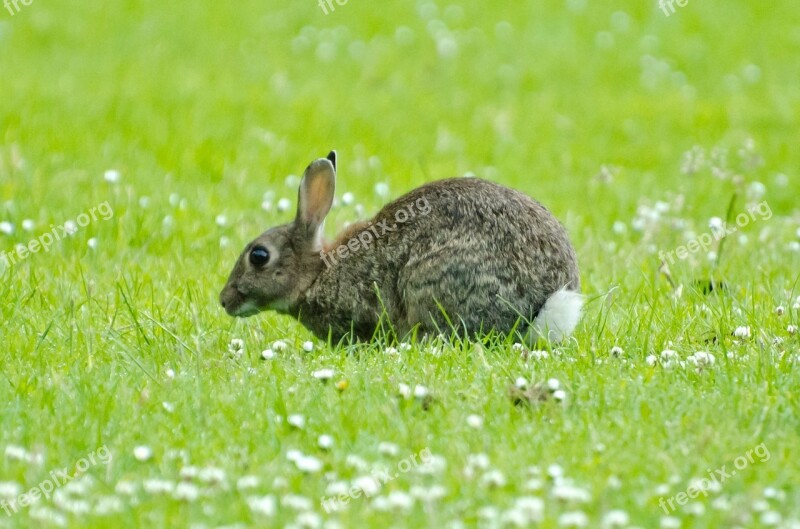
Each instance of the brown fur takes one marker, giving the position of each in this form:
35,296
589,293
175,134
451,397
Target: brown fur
486,257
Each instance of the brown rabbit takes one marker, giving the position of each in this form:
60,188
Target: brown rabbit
460,255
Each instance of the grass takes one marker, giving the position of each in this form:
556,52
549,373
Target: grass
113,339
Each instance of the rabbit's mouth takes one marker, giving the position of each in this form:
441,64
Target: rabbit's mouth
245,310
235,304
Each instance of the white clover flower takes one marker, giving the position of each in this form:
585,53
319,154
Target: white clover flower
211,475
791,329
71,227
756,191
236,345
553,384
493,479
703,358
247,482
309,520
539,355
479,461
356,462
400,500
265,505
325,442
16,452
615,518
560,395
555,471
284,204
297,421
430,494
279,345
531,507
335,488
380,504
404,390
770,518
534,484
521,383
108,505
267,354
742,332
308,464
780,310
158,486
142,453
716,225
186,491
28,225
488,513
348,198
388,449
617,351
308,346
651,360
296,502
127,488
10,489
669,354
435,464
474,421
573,519
369,484
112,176
420,392
382,189
323,374
670,522
721,503
570,493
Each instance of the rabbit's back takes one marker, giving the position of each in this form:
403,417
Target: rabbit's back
461,252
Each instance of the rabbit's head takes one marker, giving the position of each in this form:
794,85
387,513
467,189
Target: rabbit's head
276,268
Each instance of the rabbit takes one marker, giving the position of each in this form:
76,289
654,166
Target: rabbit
456,255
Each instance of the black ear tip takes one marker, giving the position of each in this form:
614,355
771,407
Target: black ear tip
332,158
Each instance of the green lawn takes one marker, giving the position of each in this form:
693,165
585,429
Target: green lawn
165,135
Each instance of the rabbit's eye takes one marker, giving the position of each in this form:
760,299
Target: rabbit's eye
259,256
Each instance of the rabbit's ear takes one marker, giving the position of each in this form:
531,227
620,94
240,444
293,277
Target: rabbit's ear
316,196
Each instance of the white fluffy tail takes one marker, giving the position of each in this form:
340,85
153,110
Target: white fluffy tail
559,316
